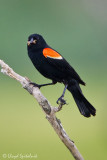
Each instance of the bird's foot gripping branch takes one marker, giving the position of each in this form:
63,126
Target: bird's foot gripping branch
46,107
52,65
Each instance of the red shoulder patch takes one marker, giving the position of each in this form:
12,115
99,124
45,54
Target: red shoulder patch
48,52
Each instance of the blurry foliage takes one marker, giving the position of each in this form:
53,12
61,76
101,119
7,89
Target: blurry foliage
78,30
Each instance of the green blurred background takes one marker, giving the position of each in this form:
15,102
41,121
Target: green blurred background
78,30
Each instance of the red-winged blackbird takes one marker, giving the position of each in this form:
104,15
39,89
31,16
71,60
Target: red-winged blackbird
52,65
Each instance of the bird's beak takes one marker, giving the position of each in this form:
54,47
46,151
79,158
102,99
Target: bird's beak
31,41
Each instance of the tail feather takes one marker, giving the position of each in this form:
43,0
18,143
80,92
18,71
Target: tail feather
85,108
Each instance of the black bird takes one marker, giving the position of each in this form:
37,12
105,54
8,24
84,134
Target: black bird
52,65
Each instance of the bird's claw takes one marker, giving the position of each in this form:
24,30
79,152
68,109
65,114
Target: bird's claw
35,85
61,101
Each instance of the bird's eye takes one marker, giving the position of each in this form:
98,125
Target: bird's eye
34,41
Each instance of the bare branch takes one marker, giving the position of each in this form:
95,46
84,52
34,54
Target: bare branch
46,107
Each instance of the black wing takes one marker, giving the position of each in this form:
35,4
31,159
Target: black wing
63,66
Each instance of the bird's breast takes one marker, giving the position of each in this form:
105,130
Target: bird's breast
45,68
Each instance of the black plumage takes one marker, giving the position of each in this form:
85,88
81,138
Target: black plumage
52,65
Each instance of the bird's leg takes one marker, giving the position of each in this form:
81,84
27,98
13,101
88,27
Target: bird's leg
41,85
62,96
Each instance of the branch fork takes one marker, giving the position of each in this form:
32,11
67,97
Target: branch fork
46,107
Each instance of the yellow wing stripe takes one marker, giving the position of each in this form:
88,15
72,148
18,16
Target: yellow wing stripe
48,52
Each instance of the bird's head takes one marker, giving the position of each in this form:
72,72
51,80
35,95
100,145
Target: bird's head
35,41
